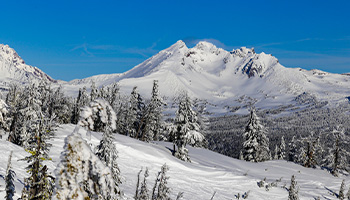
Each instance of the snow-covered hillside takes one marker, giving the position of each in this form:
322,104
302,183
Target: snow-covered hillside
223,77
208,172
14,69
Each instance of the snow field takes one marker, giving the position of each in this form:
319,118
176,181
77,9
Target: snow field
208,172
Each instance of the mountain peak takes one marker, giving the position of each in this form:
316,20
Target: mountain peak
10,55
243,52
13,67
205,46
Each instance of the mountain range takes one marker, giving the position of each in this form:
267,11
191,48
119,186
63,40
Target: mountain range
232,78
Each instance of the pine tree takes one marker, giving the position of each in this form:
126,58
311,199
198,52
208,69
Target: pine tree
80,173
163,191
256,144
81,101
308,156
4,109
107,153
293,150
154,116
94,92
95,116
60,107
143,191
341,195
281,150
186,127
293,190
348,194
133,114
336,159
36,185
9,179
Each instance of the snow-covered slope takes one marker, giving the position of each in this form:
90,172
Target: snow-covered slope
214,74
208,172
14,69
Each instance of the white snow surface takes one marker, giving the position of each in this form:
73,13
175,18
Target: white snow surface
208,172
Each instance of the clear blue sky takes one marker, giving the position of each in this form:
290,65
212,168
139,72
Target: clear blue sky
76,39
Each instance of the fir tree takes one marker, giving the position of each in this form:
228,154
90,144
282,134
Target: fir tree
308,156
81,101
133,114
81,174
94,92
293,190
36,185
163,190
186,126
293,150
256,144
4,109
281,150
9,180
348,194
341,195
154,117
336,159
143,191
95,116
107,153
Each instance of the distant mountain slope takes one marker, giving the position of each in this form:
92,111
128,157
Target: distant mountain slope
14,69
214,74
208,172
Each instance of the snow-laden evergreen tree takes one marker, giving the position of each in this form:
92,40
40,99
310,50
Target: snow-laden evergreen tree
81,174
347,196
113,96
107,153
60,107
281,150
154,116
94,92
13,100
308,155
293,150
4,110
341,195
81,101
336,159
9,180
293,190
142,192
256,144
95,116
160,190
37,184
133,114
187,128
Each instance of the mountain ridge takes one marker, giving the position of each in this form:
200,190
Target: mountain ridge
220,76
209,73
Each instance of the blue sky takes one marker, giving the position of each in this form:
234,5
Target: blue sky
77,39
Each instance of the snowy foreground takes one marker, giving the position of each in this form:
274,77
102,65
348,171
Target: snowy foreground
209,172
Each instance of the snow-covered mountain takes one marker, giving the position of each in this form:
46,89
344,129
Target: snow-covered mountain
14,69
224,77
227,78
